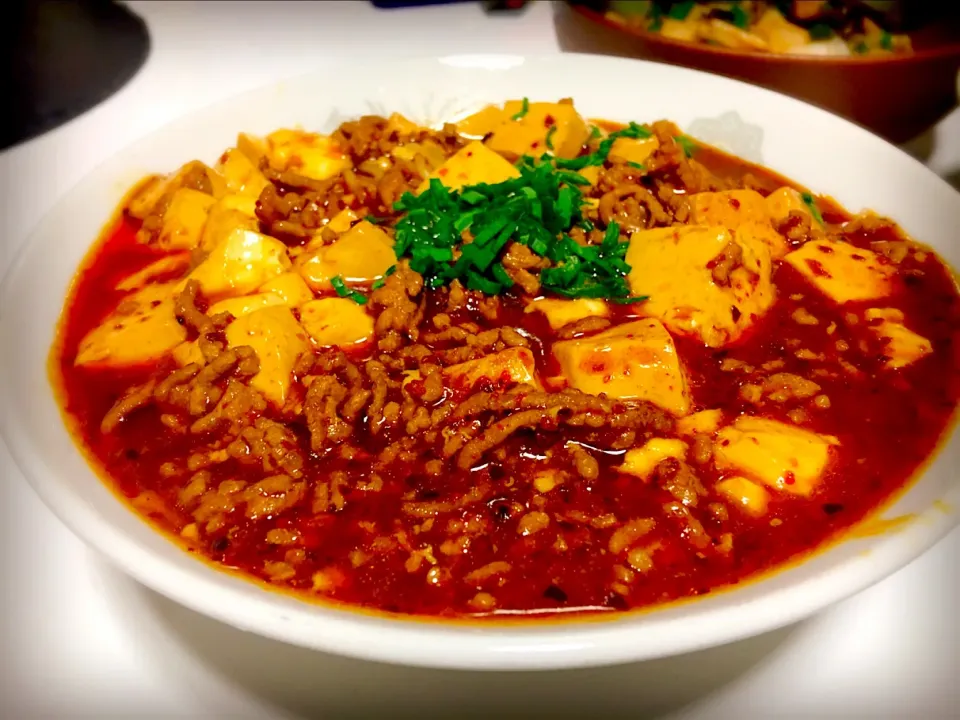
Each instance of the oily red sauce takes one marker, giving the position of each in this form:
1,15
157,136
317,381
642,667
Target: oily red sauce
887,423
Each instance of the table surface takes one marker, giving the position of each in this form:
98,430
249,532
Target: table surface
82,640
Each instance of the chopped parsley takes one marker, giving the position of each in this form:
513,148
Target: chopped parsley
861,48
811,203
343,291
524,109
886,41
461,234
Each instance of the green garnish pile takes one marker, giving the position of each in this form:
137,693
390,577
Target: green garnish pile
537,209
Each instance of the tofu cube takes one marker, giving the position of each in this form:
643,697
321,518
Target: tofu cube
242,262
359,256
674,266
184,220
471,165
739,209
497,371
636,360
142,329
635,150
745,494
780,203
336,322
563,312
315,156
642,461
241,175
166,266
902,346
843,272
705,422
246,304
782,457
278,339
228,214
529,133
289,286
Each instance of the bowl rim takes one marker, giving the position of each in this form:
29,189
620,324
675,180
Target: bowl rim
411,641
940,52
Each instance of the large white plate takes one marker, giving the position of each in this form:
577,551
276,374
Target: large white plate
813,147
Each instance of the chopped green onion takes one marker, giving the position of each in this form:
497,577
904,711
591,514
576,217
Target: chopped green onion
636,165
740,17
861,48
594,132
536,209
501,276
524,109
820,31
343,291
886,41
688,145
680,10
811,203
549,139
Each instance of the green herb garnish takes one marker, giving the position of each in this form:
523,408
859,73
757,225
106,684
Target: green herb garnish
740,17
680,10
886,41
688,145
460,235
594,132
636,165
820,31
549,139
599,157
524,109
343,291
811,203
861,48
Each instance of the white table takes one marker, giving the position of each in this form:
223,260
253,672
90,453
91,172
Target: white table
79,639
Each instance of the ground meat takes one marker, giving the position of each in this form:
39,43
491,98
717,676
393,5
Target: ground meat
729,259
133,399
798,228
870,222
583,326
584,463
518,261
398,314
208,328
678,479
633,207
272,496
271,444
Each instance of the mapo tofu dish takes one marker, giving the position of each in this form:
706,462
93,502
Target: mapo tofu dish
526,363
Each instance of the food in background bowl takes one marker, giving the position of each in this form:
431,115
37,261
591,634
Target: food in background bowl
527,363
896,94
829,28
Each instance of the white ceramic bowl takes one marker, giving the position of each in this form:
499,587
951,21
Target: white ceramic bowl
809,145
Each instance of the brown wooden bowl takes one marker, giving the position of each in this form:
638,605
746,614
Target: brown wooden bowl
897,97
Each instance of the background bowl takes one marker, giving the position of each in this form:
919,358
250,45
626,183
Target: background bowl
896,96
815,148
